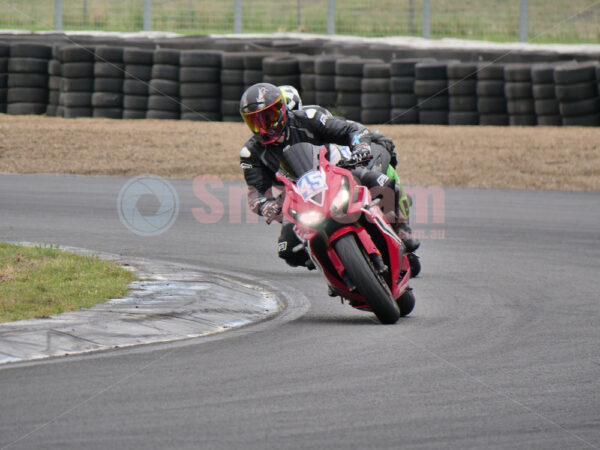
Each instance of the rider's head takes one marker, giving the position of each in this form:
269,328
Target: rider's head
263,109
291,97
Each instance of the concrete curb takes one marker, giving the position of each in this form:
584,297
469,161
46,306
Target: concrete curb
172,302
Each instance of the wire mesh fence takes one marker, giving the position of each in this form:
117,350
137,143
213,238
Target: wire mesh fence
575,21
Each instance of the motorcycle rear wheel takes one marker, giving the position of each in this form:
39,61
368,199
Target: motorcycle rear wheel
368,282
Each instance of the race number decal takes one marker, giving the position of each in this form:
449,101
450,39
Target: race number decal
311,184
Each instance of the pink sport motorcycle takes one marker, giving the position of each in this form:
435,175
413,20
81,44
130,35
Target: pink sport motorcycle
345,233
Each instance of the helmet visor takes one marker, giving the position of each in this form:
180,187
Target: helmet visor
264,119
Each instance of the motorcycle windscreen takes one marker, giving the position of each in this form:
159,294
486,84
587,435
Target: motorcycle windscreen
299,159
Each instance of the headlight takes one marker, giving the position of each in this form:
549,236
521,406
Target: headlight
311,218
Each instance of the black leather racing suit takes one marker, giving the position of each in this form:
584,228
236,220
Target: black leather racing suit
260,162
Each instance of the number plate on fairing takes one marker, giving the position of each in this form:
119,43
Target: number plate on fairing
311,184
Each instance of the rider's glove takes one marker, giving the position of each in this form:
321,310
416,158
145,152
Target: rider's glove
361,153
270,210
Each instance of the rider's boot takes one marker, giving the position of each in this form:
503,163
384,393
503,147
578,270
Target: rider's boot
402,213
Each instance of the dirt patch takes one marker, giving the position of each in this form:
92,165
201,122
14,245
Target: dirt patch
564,158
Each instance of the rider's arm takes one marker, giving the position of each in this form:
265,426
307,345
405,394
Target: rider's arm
258,177
334,129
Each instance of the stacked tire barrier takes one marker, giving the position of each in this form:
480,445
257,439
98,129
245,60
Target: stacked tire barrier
308,88
544,95
163,102
577,93
54,72
326,94
518,89
375,98
491,101
402,91
200,85
4,54
77,81
462,92
347,84
375,86
138,74
431,89
107,99
28,78
232,86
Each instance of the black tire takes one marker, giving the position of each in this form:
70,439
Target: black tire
107,100
544,91
586,107
76,99
402,85
73,113
134,114
431,71
487,71
254,61
376,70
376,100
543,73
518,90
440,102
108,113
231,118
163,115
108,85
325,65
54,83
325,83
108,53
164,87
466,71
278,80
368,283
200,75
165,72
491,105
582,121
522,120
463,118
76,84
167,57
490,88
26,108
433,117
78,70
281,65
462,87
349,98
200,104
349,112
551,121
54,67
27,95
232,76
201,58
326,98
76,54
403,101
27,80
520,107
493,119
575,73
3,65
138,72
547,107
427,88
375,116
30,50
462,103
308,82
517,73
28,65
135,102
200,90
232,60
406,302
577,91
201,116
109,70
230,108
160,103
252,77
402,116
306,65
405,67
138,56
135,87
230,92
349,67
374,85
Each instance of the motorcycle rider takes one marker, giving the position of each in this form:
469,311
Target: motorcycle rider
274,127
294,103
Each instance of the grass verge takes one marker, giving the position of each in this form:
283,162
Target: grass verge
40,281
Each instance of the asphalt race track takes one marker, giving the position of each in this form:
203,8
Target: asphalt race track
502,350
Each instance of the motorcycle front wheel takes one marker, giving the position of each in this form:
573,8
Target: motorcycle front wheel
368,282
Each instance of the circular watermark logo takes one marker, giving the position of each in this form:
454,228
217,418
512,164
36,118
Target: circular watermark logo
148,205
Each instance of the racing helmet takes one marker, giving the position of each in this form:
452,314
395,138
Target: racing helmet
291,97
264,111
